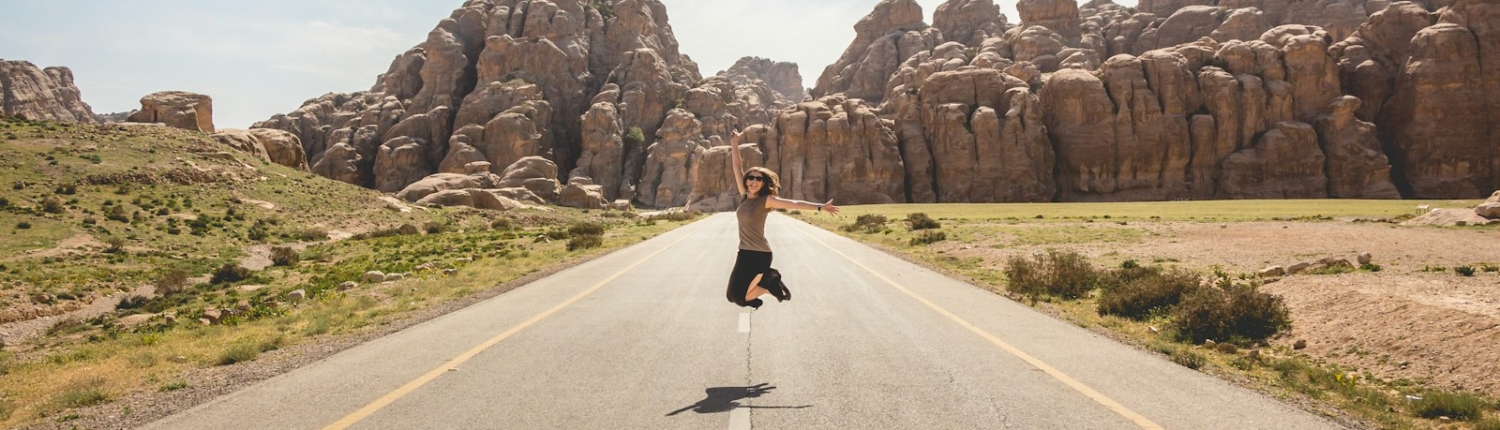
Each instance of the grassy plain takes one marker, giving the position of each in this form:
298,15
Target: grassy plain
89,213
967,230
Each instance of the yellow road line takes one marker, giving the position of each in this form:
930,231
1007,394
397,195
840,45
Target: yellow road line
1114,406
398,393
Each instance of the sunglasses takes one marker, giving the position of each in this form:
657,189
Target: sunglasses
755,178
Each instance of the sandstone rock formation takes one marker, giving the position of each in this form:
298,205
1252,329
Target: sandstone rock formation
1172,99
883,40
178,109
41,94
276,146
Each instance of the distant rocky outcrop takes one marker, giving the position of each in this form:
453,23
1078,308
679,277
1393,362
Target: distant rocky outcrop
41,94
178,109
276,146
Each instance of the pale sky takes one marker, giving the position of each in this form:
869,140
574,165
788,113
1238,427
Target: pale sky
258,58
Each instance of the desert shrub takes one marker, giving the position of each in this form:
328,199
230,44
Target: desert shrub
4,203
585,242
258,232
1486,267
53,205
172,281
116,245
285,256
313,233
870,223
230,273
502,224
1139,296
1458,406
1238,311
928,237
1464,270
132,302
1370,267
66,190
586,229
435,227
1188,358
1484,424
1062,274
920,221
116,213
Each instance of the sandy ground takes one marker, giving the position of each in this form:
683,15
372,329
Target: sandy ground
1436,327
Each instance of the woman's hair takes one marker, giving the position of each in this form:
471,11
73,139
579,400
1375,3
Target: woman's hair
772,184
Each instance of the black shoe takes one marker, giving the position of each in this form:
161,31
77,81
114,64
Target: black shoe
779,291
777,288
754,304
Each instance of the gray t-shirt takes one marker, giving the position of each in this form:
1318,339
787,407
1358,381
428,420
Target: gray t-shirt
752,215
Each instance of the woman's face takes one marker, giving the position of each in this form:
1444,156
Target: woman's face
754,181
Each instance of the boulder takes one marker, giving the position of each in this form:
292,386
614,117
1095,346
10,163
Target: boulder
582,193
537,174
374,277
178,109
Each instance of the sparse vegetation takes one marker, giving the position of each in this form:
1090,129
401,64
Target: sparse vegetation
920,221
1455,405
1138,293
1230,313
928,237
1062,274
230,273
285,256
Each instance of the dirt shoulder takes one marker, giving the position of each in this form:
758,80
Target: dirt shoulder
1439,328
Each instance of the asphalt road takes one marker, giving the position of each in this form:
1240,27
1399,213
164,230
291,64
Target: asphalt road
643,339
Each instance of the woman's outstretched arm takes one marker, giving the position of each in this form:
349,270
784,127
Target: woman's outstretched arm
737,161
780,203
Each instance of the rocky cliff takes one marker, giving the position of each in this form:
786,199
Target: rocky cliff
41,94
1173,99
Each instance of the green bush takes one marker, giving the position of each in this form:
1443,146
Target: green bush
1139,296
920,221
634,137
285,256
586,229
1062,274
435,227
1458,406
585,242
1464,270
230,273
928,237
1238,312
23,225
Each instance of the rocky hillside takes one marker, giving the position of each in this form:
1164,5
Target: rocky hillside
1174,99
30,92
597,88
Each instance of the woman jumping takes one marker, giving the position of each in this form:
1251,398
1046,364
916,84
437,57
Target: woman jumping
758,196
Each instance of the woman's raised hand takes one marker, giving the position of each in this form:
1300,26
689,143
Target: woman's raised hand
830,208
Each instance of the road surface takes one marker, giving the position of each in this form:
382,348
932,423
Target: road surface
644,339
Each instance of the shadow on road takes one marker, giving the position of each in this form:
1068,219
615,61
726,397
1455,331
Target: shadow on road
725,399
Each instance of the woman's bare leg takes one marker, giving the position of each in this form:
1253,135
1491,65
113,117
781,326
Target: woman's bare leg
755,290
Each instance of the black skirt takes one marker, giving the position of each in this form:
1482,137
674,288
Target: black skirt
747,266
